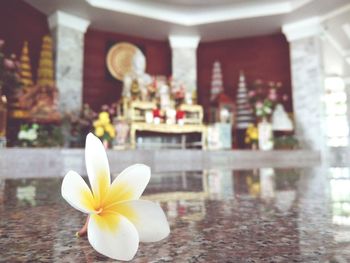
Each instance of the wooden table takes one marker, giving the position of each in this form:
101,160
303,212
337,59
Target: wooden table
168,129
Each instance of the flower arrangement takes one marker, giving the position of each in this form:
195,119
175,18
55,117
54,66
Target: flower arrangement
286,142
253,183
252,135
178,94
28,134
50,135
9,72
264,97
152,89
111,109
117,220
35,135
78,125
103,127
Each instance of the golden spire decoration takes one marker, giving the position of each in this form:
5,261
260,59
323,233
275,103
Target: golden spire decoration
45,70
25,67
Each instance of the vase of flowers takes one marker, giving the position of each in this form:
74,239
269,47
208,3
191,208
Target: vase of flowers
265,135
152,89
178,94
104,129
28,135
286,142
264,97
252,136
77,124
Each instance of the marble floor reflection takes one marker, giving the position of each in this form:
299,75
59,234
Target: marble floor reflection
261,215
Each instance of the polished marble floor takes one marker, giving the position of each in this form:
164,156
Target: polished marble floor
260,215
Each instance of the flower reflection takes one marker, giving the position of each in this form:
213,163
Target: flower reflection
26,194
253,182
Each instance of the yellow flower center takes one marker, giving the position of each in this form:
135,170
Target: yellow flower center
99,211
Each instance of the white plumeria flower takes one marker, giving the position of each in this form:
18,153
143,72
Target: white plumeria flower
117,219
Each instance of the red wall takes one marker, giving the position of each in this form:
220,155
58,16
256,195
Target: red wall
99,87
262,57
19,21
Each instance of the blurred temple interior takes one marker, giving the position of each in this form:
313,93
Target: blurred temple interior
240,108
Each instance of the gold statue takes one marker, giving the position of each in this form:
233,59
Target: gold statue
135,89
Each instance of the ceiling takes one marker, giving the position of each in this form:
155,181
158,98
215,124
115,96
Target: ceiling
337,34
197,2
210,19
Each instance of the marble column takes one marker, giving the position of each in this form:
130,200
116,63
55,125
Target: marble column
184,60
307,82
68,35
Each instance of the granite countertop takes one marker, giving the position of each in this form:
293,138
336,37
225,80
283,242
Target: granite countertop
262,215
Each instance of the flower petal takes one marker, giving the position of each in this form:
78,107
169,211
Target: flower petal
128,185
148,218
97,167
76,192
113,236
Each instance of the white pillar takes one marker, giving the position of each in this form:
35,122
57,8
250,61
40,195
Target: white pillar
184,60
307,82
68,35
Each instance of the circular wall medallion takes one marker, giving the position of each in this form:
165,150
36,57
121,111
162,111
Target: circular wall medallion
125,58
